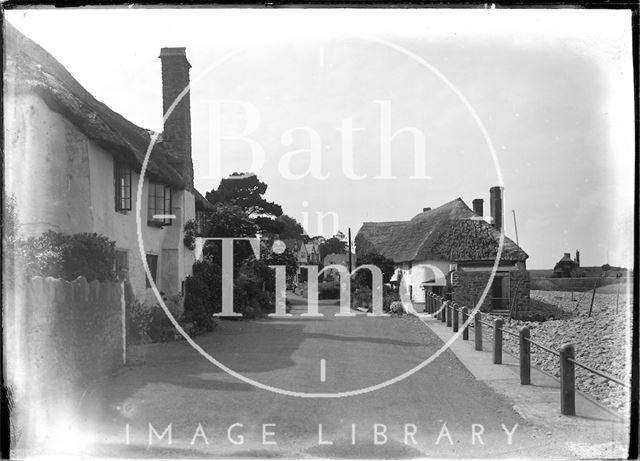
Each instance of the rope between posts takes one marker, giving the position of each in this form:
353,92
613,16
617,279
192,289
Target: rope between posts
565,354
551,351
509,332
599,373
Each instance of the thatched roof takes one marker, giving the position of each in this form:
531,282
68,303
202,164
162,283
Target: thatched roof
31,69
451,232
201,200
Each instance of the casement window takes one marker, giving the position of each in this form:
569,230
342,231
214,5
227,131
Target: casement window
122,175
152,263
159,205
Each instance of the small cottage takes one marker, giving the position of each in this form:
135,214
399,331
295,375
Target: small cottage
451,250
73,165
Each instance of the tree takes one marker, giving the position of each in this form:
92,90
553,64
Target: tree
246,191
228,221
268,227
291,229
331,246
386,266
224,221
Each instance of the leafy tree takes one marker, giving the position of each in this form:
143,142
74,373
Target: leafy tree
291,229
224,221
386,265
268,227
228,221
286,258
246,191
332,246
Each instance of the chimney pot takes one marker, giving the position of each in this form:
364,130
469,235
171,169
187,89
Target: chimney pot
478,206
496,206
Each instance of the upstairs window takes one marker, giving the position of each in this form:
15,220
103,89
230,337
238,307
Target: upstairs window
122,175
159,205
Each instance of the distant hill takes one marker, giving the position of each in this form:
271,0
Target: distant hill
540,272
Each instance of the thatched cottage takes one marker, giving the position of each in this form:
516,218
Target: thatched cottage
452,250
73,165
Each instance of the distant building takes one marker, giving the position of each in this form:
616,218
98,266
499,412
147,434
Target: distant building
305,253
567,267
333,258
460,247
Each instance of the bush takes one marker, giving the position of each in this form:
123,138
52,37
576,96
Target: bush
68,256
203,295
149,323
329,290
361,297
251,298
388,298
397,308
139,318
203,292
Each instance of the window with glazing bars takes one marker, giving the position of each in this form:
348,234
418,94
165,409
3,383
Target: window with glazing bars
159,205
122,176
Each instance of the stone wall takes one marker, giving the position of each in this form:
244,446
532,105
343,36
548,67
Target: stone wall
468,286
520,289
60,334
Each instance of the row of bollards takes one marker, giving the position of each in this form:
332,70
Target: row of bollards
449,312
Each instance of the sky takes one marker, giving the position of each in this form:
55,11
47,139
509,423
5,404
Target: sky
539,101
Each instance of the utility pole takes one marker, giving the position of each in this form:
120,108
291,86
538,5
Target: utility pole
349,232
516,226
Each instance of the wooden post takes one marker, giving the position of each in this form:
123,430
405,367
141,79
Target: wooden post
525,356
436,306
593,296
443,312
449,312
350,262
465,317
567,381
455,319
477,326
497,341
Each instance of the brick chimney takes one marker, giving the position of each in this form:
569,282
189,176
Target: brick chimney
495,202
177,127
426,209
578,258
478,206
